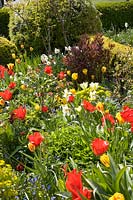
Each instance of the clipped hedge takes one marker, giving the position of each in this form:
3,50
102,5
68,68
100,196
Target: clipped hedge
6,50
115,14
4,21
47,24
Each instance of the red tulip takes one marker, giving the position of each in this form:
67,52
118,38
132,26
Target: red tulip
127,115
61,75
6,95
108,117
36,138
20,167
99,146
48,70
88,106
12,85
75,186
19,113
44,109
71,98
2,71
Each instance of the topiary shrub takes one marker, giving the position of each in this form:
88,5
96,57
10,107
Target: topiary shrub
47,24
4,21
6,50
116,14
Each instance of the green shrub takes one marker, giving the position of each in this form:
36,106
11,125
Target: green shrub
48,24
115,14
4,21
6,50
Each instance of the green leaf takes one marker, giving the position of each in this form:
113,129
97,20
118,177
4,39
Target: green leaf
118,178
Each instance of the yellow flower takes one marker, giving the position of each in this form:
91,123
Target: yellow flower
100,106
119,118
105,160
68,72
18,61
37,107
106,111
10,66
85,71
64,101
22,46
31,147
2,162
75,76
117,196
7,183
104,69
2,102
13,55
23,87
31,49
73,91
92,77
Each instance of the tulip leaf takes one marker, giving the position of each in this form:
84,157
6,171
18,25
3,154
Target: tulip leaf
118,178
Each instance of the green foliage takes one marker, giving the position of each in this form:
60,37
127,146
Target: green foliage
105,182
45,25
65,143
115,14
7,48
4,21
123,37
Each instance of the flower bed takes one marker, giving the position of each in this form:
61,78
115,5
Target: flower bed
65,138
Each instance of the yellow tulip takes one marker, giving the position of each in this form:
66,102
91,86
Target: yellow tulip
104,69
117,196
100,106
119,118
85,71
105,160
37,107
31,147
75,76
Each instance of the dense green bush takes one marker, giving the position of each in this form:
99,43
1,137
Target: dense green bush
6,50
4,21
47,24
116,14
